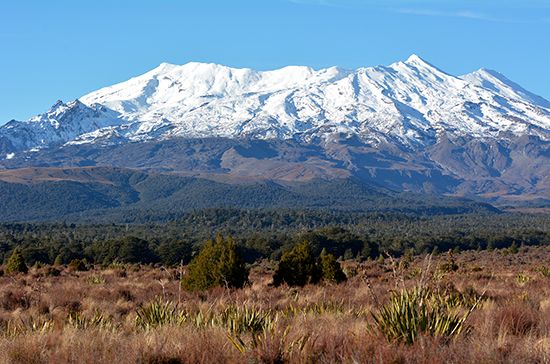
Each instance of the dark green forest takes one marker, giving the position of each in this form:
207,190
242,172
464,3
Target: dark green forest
105,195
266,233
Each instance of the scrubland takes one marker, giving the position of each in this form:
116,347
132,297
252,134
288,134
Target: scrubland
140,314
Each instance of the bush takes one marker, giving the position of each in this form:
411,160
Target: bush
297,267
218,264
331,270
78,265
52,272
449,265
16,263
58,260
173,252
135,250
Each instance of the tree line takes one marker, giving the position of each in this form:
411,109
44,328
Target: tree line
260,234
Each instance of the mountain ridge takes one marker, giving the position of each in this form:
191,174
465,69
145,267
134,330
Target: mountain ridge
409,126
411,101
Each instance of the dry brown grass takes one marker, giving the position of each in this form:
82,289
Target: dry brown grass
50,319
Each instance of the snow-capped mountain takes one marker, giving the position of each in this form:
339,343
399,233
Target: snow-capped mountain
407,102
407,126
59,125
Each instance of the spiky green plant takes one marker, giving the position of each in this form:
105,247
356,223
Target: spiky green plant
245,319
98,320
320,308
96,279
545,271
522,278
25,326
159,313
421,311
278,335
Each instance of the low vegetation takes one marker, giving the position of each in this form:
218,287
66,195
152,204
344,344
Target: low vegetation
386,311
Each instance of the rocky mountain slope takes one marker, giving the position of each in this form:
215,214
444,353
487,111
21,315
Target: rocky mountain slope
408,126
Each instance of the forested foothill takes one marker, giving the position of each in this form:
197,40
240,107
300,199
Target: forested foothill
261,234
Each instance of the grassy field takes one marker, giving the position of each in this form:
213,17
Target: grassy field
139,314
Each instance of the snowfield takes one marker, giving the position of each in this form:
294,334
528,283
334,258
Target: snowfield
411,103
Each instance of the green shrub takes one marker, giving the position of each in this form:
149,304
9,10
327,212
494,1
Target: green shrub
331,270
218,264
297,267
449,265
16,263
407,259
135,250
78,265
58,260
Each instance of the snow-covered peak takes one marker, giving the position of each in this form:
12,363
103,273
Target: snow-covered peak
411,102
56,105
422,69
61,123
58,110
417,61
499,84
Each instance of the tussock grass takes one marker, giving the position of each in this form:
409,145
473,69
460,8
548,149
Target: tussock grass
386,312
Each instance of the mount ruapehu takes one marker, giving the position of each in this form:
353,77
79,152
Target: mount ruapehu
399,130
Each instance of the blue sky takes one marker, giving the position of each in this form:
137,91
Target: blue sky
57,49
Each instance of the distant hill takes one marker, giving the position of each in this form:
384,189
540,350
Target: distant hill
123,195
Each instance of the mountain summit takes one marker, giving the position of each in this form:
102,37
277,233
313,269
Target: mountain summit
409,102
421,119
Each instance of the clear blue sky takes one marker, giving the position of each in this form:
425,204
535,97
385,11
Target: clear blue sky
56,49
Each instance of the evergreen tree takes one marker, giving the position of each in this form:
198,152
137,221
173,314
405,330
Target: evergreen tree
370,250
330,268
78,265
135,250
58,260
218,264
173,252
297,267
16,263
